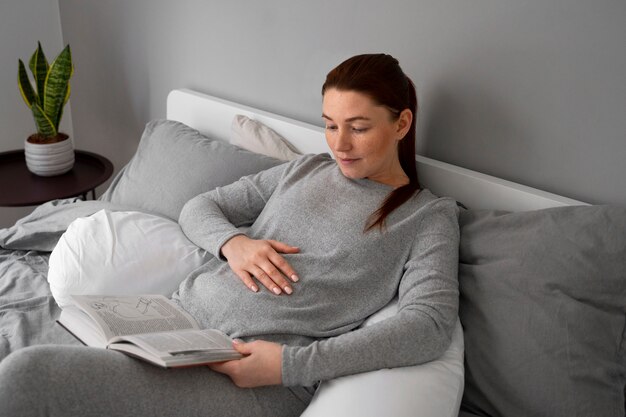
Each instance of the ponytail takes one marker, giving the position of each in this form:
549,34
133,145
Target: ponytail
406,154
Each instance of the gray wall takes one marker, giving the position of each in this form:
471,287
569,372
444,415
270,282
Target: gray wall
532,91
22,24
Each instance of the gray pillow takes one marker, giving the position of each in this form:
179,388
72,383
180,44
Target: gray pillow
174,163
543,305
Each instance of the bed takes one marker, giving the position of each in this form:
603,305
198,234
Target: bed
542,277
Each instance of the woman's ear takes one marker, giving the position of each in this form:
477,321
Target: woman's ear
404,123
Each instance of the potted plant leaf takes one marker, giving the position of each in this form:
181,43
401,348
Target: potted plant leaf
48,152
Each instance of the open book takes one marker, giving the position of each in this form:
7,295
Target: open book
149,327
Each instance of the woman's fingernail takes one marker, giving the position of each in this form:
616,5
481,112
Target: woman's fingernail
254,288
294,278
288,290
237,341
276,290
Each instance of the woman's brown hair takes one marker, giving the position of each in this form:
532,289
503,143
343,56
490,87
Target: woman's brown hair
380,77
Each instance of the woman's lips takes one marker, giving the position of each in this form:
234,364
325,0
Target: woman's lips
347,161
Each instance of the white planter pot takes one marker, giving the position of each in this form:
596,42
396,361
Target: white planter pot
48,159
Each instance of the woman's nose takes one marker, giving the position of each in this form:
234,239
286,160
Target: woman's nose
343,142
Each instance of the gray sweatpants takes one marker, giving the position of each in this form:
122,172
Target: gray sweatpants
78,381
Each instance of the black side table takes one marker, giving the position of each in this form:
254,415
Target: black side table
20,187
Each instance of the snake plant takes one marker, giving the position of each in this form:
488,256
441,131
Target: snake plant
52,89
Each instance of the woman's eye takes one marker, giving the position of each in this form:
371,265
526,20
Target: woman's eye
359,129
329,127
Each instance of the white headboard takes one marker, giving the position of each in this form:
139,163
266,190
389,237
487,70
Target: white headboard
212,116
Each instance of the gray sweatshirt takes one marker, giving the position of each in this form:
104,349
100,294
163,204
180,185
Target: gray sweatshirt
345,274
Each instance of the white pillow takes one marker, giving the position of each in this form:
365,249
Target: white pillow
433,389
121,253
257,137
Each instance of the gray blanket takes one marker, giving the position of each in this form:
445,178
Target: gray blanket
27,309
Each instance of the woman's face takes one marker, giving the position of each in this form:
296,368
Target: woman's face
364,136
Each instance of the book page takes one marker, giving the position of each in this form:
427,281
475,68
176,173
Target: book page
126,315
181,342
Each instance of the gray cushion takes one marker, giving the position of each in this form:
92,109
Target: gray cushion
543,305
174,163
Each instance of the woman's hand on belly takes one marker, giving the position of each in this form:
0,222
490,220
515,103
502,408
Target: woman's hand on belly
260,259
260,366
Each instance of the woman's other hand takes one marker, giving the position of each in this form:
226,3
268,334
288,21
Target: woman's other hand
260,366
260,259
